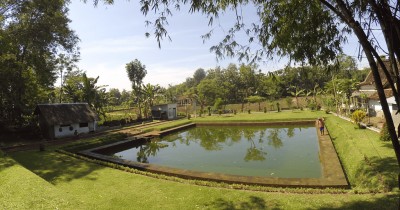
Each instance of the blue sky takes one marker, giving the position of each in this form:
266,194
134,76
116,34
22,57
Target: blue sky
113,35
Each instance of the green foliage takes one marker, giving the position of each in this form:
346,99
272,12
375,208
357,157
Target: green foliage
312,105
358,116
384,133
218,104
255,99
36,44
136,72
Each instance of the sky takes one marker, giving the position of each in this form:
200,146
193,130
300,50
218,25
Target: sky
113,35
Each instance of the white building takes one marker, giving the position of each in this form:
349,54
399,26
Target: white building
164,111
65,120
367,98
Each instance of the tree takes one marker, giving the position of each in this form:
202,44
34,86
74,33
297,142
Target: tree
199,75
114,96
136,72
150,92
297,93
256,99
210,89
36,41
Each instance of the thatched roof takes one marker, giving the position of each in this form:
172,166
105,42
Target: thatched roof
369,80
59,114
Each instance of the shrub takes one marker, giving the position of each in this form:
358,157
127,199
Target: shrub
384,134
312,105
358,116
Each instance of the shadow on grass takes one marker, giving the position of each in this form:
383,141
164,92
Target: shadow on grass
5,162
389,201
56,167
388,144
254,203
378,173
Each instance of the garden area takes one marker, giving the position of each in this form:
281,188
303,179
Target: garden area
56,178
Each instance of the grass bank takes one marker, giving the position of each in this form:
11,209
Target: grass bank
370,164
260,116
62,181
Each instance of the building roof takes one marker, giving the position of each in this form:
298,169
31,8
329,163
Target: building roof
59,114
358,93
388,94
369,80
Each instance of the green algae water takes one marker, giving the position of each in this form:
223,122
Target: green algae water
284,152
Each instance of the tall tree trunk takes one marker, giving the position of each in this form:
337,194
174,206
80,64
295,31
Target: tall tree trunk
342,11
369,52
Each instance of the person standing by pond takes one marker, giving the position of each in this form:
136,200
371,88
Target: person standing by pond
321,126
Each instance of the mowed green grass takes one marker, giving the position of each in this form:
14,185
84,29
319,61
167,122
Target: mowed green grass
50,180
370,163
286,115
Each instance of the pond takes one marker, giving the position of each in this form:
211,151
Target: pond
284,152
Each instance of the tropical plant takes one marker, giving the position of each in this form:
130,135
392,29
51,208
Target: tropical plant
149,92
384,133
297,93
358,116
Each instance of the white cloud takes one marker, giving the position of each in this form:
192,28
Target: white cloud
112,76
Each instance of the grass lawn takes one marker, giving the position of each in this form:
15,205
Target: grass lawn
52,180
260,116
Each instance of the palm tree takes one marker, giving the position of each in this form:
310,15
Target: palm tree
296,93
150,92
94,95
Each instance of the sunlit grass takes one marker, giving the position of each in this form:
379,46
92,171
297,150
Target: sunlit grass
52,180
370,163
72,183
260,116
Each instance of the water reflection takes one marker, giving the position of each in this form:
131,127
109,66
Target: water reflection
240,150
216,138
274,139
149,149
